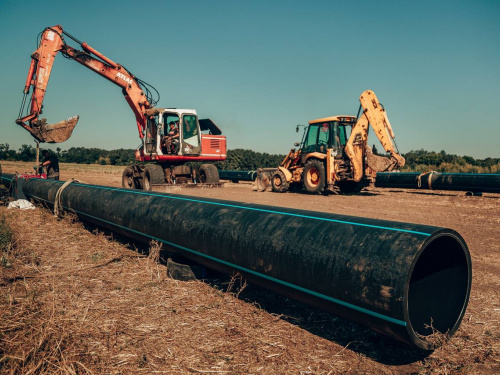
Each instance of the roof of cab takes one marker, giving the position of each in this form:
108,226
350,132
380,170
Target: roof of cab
332,118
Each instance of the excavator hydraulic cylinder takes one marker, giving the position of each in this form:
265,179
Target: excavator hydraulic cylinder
408,281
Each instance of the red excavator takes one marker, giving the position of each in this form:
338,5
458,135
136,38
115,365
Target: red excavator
170,137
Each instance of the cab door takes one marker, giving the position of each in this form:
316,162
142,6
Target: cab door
150,136
190,135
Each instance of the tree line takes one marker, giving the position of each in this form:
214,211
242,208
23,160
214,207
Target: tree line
423,161
237,159
241,159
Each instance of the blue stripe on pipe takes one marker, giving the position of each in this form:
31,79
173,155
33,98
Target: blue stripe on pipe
232,265
140,192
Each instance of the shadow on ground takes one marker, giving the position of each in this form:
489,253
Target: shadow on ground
349,335
352,336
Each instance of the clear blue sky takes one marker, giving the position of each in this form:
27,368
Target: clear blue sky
258,68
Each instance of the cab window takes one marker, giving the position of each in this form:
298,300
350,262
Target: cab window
342,133
312,136
323,137
190,127
167,119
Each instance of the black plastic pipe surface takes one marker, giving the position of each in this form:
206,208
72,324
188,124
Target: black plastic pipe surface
14,184
238,175
6,179
473,182
403,280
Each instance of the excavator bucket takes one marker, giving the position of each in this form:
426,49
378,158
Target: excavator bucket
55,133
379,163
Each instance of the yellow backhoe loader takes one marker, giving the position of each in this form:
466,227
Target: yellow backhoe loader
334,153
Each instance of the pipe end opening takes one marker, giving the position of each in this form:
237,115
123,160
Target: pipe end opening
439,290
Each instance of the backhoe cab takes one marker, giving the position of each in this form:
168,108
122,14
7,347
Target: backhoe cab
334,152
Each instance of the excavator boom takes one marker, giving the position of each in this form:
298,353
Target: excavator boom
52,42
375,115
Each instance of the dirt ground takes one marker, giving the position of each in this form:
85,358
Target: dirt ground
89,303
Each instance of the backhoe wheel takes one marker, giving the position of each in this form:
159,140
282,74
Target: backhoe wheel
279,182
128,180
153,175
348,187
314,176
208,174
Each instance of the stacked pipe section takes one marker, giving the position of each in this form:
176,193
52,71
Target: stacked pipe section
236,176
407,281
473,182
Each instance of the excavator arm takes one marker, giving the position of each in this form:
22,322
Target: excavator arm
52,41
375,115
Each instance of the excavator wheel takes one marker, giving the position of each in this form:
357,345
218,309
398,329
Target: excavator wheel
153,174
208,174
314,176
128,180
279,182
348,187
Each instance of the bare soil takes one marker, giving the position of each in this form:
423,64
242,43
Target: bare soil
74,300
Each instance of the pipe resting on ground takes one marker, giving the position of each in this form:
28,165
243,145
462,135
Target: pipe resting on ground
407,281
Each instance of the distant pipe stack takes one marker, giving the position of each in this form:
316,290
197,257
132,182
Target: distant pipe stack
473,182
403,280
236,176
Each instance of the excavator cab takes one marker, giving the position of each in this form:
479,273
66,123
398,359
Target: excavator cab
186,125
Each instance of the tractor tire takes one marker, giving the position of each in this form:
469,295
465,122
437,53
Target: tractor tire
128,180
153,175
208,174
350,187
279,182
314,176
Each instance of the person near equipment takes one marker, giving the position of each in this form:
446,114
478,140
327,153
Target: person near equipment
171,140
51,164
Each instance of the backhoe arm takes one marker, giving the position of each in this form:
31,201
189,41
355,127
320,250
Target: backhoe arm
375,115
52,41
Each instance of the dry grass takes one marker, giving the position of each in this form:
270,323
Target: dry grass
90,173
82,302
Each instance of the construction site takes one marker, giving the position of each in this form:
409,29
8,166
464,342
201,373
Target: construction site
334,261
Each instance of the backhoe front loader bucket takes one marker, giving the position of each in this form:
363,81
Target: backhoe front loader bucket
263,180
54,133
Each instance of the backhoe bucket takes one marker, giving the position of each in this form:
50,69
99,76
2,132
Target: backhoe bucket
379,163
55,133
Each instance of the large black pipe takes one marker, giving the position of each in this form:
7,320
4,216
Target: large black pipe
473,182
396,278
6,179
14,184
236,176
